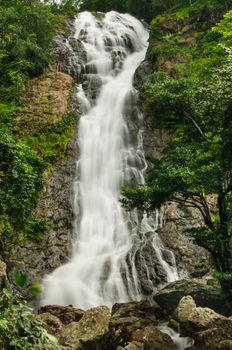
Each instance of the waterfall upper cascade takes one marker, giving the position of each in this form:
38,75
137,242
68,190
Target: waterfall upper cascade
108,241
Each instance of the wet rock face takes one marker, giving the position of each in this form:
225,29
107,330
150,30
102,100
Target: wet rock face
151,272
209,329
71,58
142,73
191,259
70,55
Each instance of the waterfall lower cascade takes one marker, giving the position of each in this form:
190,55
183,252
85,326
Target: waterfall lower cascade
108,241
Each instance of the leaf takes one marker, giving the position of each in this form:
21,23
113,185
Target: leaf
35,288
52,339
20,278
3,324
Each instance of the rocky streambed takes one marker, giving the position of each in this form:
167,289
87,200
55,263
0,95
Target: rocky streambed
136,326
196,313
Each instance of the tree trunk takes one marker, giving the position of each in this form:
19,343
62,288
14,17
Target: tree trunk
226,254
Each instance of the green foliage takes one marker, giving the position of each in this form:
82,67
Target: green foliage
104,5
224,29
20,279
19,329
66,7
20,183
22,162
225,280
34,228
197,163
26,31
140,8
21,178
52,140
148,9
27,28
186,37
185,8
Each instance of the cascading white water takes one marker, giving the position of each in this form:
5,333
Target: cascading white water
181,343
98,273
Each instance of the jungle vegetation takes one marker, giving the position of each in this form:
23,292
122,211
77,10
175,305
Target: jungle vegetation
189,93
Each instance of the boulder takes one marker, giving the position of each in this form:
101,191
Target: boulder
132,346
128,322
204,295
225,345
142,310
209,329
215,338
52,324
184,309
154,339
66,314
133,325
202,319
89,332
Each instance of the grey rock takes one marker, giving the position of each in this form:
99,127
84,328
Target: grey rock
66,314
129,320
202,319
191,259
154,339
204,295
184,309
90,331
209,329
150,270
92,85
142,73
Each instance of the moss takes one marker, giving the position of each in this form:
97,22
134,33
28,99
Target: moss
52,146
42,100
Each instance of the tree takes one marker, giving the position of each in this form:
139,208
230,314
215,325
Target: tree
197,163
26,31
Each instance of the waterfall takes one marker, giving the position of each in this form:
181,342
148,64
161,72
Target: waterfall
102,269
